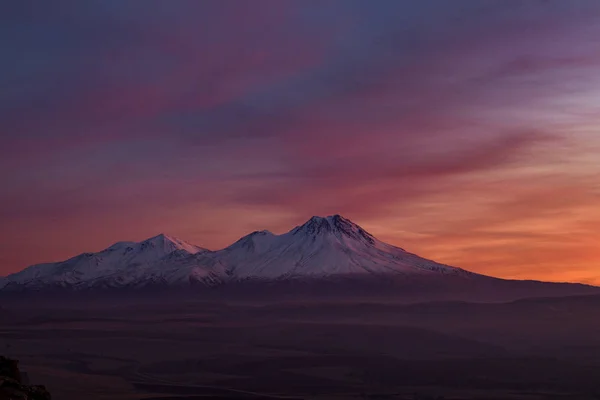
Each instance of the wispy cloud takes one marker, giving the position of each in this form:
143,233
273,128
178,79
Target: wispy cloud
466,123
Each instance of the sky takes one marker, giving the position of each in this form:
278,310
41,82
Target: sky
465,131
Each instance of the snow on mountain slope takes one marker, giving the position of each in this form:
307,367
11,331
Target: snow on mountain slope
124,263
322,247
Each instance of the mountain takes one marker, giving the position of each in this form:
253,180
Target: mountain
325,254
159,259
322,247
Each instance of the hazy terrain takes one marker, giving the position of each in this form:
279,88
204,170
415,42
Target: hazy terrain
166,347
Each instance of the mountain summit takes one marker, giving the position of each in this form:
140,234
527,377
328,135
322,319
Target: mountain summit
167,244
335,225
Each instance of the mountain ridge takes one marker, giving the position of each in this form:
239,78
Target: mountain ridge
326,249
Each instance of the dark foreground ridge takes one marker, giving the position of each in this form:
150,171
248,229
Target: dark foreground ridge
12,385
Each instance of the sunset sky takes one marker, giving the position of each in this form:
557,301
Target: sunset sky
464,131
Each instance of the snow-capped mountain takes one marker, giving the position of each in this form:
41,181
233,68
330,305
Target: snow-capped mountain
160,258
323,246
321,252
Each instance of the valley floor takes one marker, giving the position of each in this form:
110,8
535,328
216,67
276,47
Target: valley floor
333,349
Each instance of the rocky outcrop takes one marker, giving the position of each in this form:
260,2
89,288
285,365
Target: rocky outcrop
12,386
